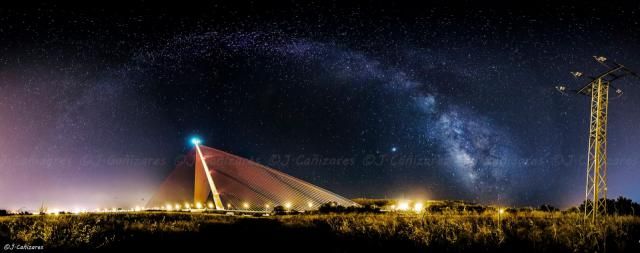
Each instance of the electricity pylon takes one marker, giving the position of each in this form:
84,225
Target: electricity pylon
598,89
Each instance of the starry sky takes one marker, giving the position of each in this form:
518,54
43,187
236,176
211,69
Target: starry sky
368,100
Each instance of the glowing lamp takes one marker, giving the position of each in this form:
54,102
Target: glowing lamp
417,207
403,206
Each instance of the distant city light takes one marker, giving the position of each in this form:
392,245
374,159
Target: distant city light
198,205
394,149
310,204
287,205
403,206
417,207
500,213
169,207
177,206
245,205
210,205
187,205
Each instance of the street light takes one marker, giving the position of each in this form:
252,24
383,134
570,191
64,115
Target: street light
417,207
403,206
500,212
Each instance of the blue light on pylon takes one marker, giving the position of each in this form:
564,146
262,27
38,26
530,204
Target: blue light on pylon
196,141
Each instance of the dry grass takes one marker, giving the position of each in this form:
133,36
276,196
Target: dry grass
448,232
532,231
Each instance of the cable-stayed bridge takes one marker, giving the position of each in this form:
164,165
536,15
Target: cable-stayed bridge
213,179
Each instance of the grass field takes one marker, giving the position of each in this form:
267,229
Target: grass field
396,232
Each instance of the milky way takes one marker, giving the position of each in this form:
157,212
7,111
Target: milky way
477,151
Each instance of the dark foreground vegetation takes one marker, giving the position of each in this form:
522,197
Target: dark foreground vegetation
439,226
534,231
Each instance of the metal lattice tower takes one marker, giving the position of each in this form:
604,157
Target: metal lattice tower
596,187
596,180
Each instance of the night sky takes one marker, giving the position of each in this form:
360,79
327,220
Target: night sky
367,100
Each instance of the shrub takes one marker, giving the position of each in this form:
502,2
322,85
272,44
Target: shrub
548,208
333,207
